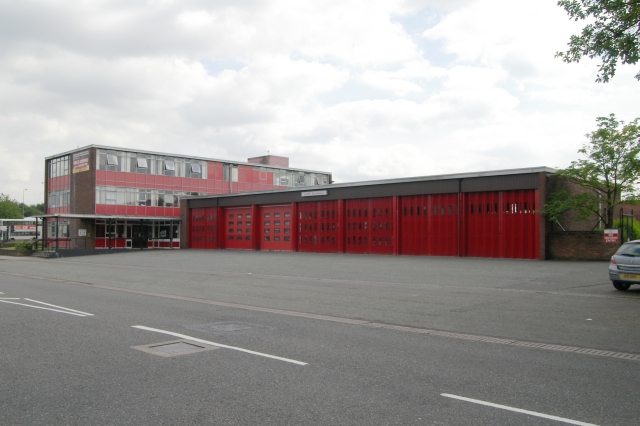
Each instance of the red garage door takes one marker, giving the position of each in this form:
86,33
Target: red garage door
238,228
276,227
211,228
369,226
318,226
502,224
429,224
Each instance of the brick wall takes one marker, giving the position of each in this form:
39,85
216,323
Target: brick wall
580,246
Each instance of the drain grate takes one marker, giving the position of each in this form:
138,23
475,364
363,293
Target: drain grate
174,348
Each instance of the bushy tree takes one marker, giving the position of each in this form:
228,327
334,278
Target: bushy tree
609,174
9,209
613,34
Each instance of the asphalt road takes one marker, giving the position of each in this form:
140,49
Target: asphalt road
314,339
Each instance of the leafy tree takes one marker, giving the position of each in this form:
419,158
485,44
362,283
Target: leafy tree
30,210
9,208
612,35
609,173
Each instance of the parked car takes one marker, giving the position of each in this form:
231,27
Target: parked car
624,269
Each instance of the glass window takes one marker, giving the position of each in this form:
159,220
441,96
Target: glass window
267,238
276,238
112,160
195,168
267,223
287,214
287,238
276,223
141,163
169,165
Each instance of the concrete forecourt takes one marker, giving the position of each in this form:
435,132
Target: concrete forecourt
230,337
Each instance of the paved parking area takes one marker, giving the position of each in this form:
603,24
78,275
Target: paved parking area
566,303
222,337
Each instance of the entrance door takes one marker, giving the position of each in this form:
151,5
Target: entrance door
140,237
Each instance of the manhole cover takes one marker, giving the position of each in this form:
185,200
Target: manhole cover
174,348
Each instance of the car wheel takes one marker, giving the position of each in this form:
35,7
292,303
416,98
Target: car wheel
619,285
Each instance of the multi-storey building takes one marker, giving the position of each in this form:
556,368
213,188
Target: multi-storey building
107,197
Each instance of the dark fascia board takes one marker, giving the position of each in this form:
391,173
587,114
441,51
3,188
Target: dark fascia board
186,157
469,182
101,216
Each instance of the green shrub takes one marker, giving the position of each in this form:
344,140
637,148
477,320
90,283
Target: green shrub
632,233
23,245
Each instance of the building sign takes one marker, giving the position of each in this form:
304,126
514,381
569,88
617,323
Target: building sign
611,236
314,193
80,161
24,228
82,232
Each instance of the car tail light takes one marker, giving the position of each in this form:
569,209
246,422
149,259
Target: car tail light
613,260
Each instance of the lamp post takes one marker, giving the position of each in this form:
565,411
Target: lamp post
23,203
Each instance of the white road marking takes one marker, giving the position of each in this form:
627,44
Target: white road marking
9,298
61,307
40,307
1,292
518,410
206,342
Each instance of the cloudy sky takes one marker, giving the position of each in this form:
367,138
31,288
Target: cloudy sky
366,89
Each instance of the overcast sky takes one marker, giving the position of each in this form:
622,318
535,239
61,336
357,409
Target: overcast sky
365,89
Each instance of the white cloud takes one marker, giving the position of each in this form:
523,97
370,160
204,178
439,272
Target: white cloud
336,85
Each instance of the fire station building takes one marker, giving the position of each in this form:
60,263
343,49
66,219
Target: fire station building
100,197
488,214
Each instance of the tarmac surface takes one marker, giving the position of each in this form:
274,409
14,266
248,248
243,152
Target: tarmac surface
377,340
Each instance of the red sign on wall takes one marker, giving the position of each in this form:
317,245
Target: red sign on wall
611,236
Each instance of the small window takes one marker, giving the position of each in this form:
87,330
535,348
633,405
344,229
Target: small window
239,216
348,226
248,215
287,222
247,223
239,231
348,213
333,240
230,216
230,223
435,210
231,231
195,168
287,238
450,211
322,240
322,214
471,209
276,223
239,238
374,212
276,215
267,230
247,238
359,212
141,163
287,230
239,223
322,227
230,237
442,210
276,238
267,238
267,215
276,230
386,211
267,223
169,165
287,214
247,230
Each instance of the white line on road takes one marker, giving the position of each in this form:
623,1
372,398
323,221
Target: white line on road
40,307
61,307
518,410
9,298
206,342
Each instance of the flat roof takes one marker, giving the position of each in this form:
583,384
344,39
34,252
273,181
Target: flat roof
454,176
114,148
103,216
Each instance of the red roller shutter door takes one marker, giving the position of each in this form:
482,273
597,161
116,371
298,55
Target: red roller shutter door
443,225
238,228
328,226
483,214
276,227
357,221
